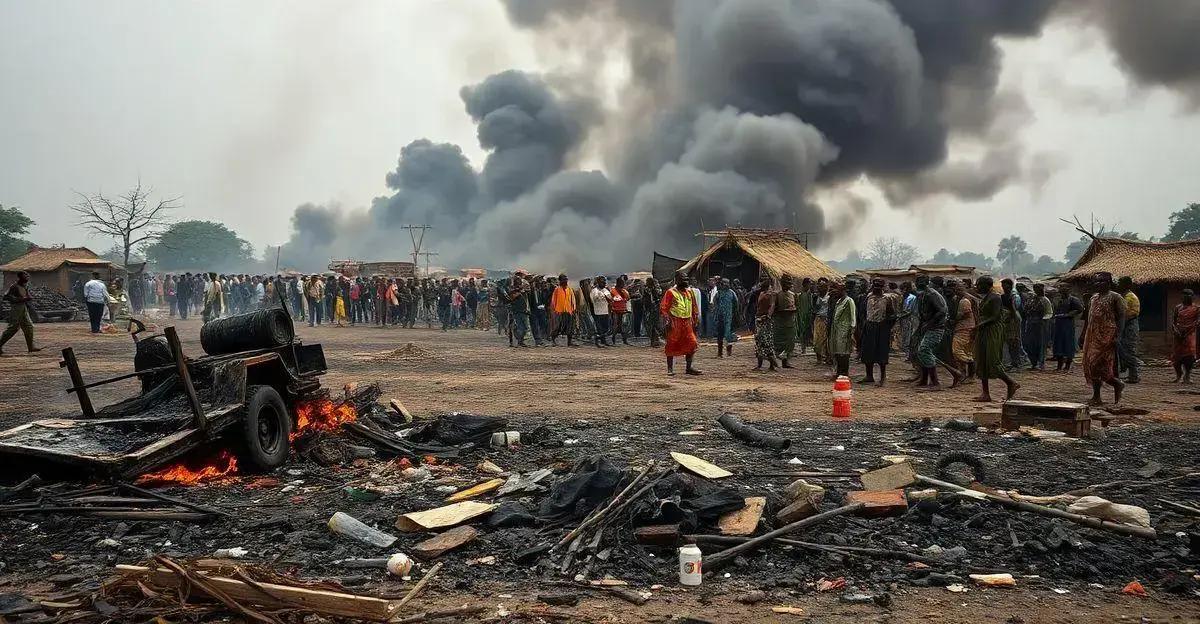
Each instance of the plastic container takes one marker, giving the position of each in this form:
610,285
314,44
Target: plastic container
345,524
691,569
506,438
842,395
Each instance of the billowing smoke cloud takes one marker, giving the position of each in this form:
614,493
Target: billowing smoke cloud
1154,41
734,112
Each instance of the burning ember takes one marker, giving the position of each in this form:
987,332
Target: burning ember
322,415
223,464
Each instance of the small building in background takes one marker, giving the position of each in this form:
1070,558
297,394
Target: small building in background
746,253
1160,272
59,268
948,272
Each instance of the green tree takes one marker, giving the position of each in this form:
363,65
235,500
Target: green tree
1045,265
963,258
1013,253
1185,224
13,224
199,246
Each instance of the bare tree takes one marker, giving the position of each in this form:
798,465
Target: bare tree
131,218
890,253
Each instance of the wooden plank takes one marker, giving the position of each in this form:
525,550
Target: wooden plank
800,508
441,517
185,377
475,490
440,544
274,596
657,535
878,503
745,520
891,477
694,464
85,402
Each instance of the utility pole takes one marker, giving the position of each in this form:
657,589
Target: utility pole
277,248
426,254
417,239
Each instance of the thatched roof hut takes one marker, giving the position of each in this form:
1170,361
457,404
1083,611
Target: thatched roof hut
58,268
1160,272
746,253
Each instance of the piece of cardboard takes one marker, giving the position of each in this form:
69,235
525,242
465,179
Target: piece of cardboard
698,466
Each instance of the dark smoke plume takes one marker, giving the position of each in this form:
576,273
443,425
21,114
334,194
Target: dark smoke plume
1155,41
734,112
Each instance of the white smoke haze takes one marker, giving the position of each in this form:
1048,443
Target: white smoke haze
733,112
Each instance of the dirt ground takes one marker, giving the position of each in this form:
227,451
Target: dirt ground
476,371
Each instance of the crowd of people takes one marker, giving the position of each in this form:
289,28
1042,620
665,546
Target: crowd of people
967,329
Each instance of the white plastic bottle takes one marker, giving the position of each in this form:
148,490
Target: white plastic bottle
690,567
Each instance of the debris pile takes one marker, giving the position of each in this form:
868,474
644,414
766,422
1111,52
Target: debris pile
50,306
593,507
408,353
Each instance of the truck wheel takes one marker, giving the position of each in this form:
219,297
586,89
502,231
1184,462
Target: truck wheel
265,429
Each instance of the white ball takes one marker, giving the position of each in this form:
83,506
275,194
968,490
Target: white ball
399,565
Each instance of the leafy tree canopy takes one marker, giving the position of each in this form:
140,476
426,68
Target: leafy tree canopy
1185,224
200,246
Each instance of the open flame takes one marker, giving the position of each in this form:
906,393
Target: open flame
223,464
322,415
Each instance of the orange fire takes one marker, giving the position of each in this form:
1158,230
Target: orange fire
223,465
322,415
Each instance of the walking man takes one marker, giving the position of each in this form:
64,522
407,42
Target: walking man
95,295
989,341
764,330
19,315
931,318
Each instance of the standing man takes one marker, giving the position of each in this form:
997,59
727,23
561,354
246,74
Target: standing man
764,330
1130,331
1184,321
483,307
682,310
601,298
1067,308
723,309
804,315
989,341
95,295
19,316
313,293
213,299
651,295
1038,312
1012,324
877,332
519,309
783,320
841,328
183,294
1101,338
962,346
636,306
821,312
562,305
619,309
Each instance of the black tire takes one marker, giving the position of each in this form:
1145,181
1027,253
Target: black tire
265,429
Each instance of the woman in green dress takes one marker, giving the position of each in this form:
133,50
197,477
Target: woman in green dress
989,341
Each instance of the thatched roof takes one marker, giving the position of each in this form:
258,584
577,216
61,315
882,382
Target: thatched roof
50,258
777,251
1146,263
911,273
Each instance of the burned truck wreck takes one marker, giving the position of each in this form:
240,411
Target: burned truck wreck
242,395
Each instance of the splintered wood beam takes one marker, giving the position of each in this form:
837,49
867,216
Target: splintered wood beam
85,402
186,377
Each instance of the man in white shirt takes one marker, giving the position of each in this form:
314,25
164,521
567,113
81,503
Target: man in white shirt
601,297
95,294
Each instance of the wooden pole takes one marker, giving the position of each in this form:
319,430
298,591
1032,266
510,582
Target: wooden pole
186,377
718,560
1088,521
85,402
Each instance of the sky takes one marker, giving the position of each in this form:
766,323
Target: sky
248,109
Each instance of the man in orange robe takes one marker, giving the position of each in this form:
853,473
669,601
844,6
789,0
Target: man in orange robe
562,305
682,313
